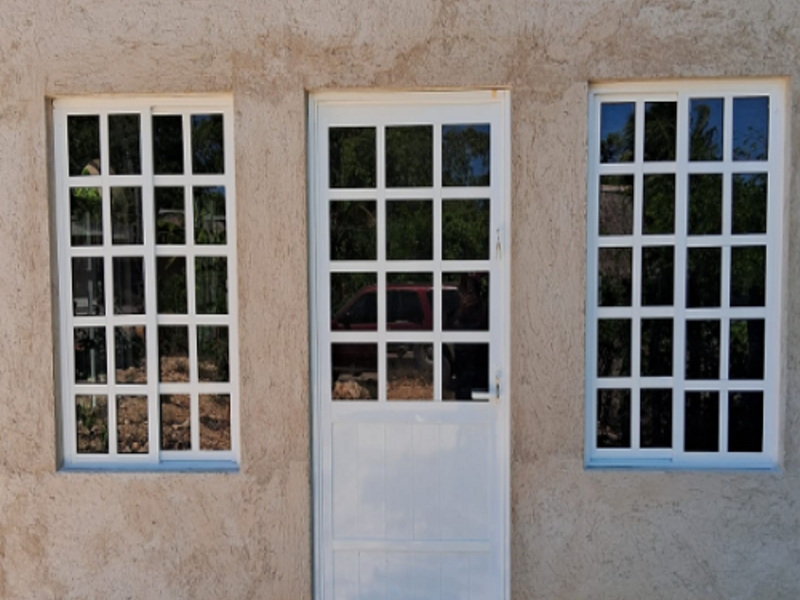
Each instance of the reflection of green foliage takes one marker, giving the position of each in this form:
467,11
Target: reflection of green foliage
704,135
91,414
126,215
705,204
748,275
659,138
409,230
659,204
465,155
83,132
211,273
86,208
750,203
208,147
352,157
409,156
209,215
465,229
353,233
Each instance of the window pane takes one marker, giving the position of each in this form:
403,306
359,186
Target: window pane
466,155
617,132
472,311
132,425
88,283
747,349
176,422
215,422
702,422
126,216
656,357
409,230
211,285
614,276
655,429
703,279
658,275
468,372
614,348
352,157
170,215
171,285
407,304
128,285
702,349
750,203
745,422
659,204
208,147
130,354
353,233
91,424
616,205
354,371
354,303
748,275
613,418
751,128
409,373
660,120
209,215
409,156
86,216
173,353
90,355
212,353
168,145
124,151
465,229
705,129
705,204
83,135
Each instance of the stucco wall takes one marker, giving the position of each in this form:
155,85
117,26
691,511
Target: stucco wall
575,534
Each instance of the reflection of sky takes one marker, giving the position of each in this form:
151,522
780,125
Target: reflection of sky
614,116
479,163
714,123
751,127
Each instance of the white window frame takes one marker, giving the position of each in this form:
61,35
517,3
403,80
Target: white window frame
772,312
155,458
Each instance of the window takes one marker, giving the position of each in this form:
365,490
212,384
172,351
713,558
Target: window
147,282
684,274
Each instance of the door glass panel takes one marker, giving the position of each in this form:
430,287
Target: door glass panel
466,155
409,156
465,229
409,373
409,230
353,230
465,373
354,369
352,157
471,313
354,301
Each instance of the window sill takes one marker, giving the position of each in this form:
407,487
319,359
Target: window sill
173,466
669,465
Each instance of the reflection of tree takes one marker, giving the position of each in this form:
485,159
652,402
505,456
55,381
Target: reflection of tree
465,155
465,229
409,230
208,148
352,157
212,353
614,348
352,230
209,215
83,143
126,215
704,134
124,144
409,156
613,418
750,203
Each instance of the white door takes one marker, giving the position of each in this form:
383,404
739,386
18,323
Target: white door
409,219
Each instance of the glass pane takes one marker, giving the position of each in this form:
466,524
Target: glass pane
176,422
128,285
705,129
171,285
409,301
465,371
748,275
702,422
409,230
702,350
354,371
750,203
660,120
170,215
747,349
91,424
465,229
90,355
613,418
466,155
656,357
124,145
658,275
215,422
83,134
703,279
130,354
88,287
212,353
472,311
209,215
352,157
168,145
409,156
208,146
655,430
353,230
211,285
126,216
705,204
132,425
617,131
354,301
173,353
751,128
658,216
409,374
86,216
614,265
614,348
745,421
616,205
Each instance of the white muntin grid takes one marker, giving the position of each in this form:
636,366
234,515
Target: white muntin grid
682,93
145,108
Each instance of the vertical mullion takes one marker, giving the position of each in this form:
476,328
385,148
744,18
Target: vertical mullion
382,298
636,271
727,230
436,281
592,224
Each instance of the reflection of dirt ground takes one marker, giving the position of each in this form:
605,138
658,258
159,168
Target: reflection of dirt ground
405,381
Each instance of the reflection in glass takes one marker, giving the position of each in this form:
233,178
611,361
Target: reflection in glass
617,131
215,421
466,155
86,216
409,156
705,128
212,353
656,356
132,425
130,354
705,204
352,157
748,275
747,349
90,355
701,422
614,265
170,215
749,203
409,302
465,229
613,348
703,279
124,145
409,374
745,421
168,144
472,311
354,369
208,147
751,128
616,205
658,215
211,285
409,230
658,275
354,301
465,371
88,283
176,422
171,285
91,424
126,216
209,215
353,231
83,141
173,353
128,285
660,121
613,418
655,425
702,349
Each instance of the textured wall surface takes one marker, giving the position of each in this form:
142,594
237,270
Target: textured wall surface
575,534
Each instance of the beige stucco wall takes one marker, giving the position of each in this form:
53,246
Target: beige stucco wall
575,534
